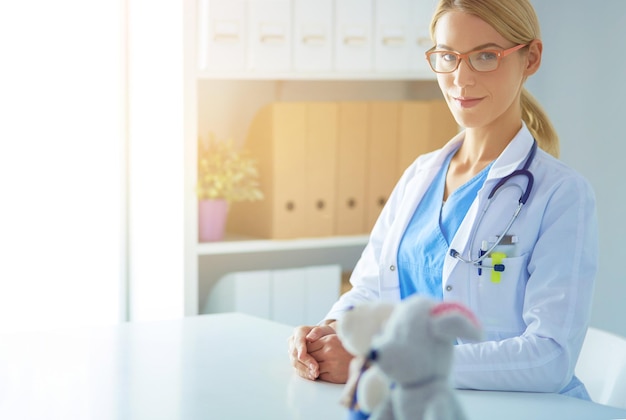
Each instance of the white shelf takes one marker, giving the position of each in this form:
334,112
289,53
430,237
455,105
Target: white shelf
418,75
224,102
241,245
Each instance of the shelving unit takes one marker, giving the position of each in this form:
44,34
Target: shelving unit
234,254
313,76
234,244
224,103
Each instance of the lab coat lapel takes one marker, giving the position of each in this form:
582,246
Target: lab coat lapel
421,182
461,240
511,159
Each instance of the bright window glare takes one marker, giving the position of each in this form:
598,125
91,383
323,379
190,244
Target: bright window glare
156,153
61,164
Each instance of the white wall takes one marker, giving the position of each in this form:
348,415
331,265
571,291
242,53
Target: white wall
582,85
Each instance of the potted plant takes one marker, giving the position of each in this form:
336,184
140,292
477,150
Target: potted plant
226,174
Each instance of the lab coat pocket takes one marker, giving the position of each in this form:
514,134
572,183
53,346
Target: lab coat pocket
500,295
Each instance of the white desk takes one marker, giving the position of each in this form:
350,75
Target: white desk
226,366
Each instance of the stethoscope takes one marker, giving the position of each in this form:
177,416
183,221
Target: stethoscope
484,253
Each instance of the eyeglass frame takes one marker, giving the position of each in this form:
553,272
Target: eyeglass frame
500,54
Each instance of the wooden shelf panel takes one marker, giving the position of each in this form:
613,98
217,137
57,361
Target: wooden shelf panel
233,244
423,75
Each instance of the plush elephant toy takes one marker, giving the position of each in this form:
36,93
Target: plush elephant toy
367,387
405,372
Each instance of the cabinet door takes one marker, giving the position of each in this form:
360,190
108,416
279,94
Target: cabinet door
313,35
353,35
303,296
222,32
421,14
391,35
288,296
246,291
323,284
270,35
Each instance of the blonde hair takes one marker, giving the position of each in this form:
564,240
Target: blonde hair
516,21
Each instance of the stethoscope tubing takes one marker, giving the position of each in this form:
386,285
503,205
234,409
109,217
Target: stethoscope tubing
478,262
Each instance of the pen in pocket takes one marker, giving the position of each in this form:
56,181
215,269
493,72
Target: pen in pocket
483,249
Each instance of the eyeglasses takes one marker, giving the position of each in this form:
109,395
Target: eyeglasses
479,60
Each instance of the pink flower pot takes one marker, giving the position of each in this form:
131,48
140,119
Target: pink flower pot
212,220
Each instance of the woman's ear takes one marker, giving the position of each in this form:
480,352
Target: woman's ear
533,57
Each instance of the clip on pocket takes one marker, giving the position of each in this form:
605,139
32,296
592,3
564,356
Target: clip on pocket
496,259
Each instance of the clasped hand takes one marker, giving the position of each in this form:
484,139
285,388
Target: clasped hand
317,353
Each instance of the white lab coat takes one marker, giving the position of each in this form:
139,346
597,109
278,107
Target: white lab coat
534,319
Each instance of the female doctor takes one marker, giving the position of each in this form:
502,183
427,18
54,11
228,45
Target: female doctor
489,220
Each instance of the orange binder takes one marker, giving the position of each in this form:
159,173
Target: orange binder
413,139
277,138
424,126
382,172
443,125
321,168
328,168
352,146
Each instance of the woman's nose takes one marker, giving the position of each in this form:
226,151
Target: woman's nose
464,74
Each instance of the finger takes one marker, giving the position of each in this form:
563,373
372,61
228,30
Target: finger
308,369
318,332
310,363
300,346
298,339
315,346
332,359
305,364
331,371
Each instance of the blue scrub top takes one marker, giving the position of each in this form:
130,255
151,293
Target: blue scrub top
427,238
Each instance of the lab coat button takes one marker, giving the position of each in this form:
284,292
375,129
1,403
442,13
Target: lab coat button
448,288
392,268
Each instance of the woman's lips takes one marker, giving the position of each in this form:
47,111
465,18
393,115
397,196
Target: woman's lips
464,102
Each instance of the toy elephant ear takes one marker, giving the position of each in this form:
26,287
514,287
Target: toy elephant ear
450,320
361,323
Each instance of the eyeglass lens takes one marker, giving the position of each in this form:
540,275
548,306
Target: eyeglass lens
448,61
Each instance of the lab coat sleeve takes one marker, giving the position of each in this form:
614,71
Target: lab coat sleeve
556,304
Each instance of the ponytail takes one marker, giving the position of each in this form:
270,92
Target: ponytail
539,125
